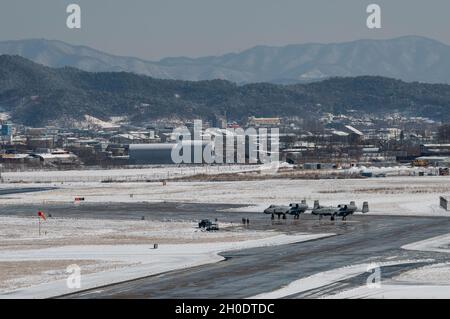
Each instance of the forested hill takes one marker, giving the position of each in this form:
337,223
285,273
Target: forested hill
36,95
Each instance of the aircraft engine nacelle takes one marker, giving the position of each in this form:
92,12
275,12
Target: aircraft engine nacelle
365,208
316,204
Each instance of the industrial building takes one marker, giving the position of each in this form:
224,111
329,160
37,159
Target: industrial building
160,153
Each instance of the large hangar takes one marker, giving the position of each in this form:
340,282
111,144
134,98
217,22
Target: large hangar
160,153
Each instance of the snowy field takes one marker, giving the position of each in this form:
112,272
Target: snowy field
108,251
23,233
168,172
154,173
417,196
326,278
427,282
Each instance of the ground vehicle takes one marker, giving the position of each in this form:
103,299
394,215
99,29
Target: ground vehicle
206,224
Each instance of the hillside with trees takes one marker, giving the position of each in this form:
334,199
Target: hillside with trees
36,95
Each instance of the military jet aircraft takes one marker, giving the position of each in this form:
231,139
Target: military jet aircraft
342,210
294,209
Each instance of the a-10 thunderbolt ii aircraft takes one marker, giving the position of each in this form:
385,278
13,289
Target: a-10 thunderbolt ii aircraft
294,209
342,210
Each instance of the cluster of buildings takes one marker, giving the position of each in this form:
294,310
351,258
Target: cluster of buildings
333,141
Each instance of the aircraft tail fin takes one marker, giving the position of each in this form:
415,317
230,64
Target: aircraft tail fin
316,204
365,208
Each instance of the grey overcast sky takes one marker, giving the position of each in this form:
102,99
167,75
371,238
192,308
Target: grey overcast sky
152,29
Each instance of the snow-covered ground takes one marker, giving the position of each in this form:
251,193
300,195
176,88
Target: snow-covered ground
393,291
427,282
437,244
126,262
23,233
167,172
111,251
392,195
327,278
436,274
154,173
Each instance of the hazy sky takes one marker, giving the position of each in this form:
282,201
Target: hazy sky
152,29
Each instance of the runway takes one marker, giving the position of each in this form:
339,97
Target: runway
246,273
129,211
250,272
11,191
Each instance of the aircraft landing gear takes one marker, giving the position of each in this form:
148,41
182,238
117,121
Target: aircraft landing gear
333,217
273,217
320,217
284,216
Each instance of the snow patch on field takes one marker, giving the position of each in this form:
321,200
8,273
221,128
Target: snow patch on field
392,291
23,231
326,278
427,282
437,274
154,173
410,196
140,261
437,244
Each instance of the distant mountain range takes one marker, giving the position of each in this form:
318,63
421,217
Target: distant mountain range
409,58
37,95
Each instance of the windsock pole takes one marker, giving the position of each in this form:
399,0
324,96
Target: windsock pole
41,215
